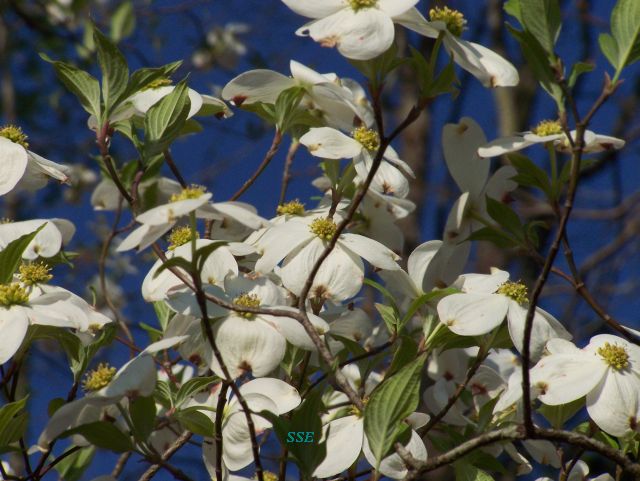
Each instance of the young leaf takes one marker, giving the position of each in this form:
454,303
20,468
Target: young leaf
625,28
123,22
163,121
13,421
389,405
143,77
505,216
104,435
115,72
72,467
542,19
143,417
80,83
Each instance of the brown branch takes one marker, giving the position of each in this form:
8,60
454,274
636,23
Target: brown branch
171,450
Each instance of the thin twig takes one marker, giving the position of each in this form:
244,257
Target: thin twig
275,144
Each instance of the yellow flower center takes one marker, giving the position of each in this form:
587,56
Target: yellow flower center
34,273
247,300
614,355
180,236
547,127
98,378
323,228
15,135
13,294
191,192
369,138
360,4
453,19
295,207
157,83
515,290
269,476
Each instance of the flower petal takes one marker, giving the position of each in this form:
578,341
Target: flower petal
344,443
372,251
13,328
256,86
504,145
330,143
472,314
314,8
483,63
395,7
284,396
247,345
460,143
615,404
13,163
360,35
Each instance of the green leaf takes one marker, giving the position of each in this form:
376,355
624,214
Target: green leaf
505,217
376,69
542,19
163,312
529,174
512,7
103,435
115,72
72,467
466,472
578,69
70,343
405,353
538,59
193,386
198,423
164,120
123,22
609,48
80,83
285,106
13,421
625,28
11,256
389,405
389,316
54,405
143,417
144,76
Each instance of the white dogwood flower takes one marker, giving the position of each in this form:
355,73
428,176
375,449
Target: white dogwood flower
299,243
484,64
324,93
345,437
485,301
549,132
105,387
55,234
21,168
264,394
606,371
361,146
248,342
359,29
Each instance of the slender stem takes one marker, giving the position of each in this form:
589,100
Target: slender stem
222,400
174,168
275,145
286,174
